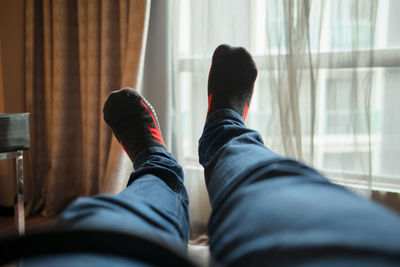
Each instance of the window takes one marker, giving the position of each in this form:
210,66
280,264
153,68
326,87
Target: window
356,129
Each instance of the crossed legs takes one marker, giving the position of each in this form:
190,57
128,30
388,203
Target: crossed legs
266,209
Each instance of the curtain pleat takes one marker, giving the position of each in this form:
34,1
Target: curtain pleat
77,53
2,108
6,166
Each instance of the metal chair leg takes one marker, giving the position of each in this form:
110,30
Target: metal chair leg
19,208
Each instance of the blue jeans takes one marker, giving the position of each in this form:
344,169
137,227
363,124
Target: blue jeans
266,209
273,210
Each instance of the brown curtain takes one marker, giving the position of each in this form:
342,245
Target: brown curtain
77,51
2,109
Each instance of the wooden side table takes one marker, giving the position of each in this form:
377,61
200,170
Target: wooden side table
14,138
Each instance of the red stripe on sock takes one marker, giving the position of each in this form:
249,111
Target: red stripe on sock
154,131
156,134
210,96
246,109
209,102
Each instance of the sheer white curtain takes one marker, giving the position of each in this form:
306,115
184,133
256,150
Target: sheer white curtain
327,89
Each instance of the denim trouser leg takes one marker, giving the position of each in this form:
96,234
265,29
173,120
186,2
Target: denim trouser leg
273,210
155,203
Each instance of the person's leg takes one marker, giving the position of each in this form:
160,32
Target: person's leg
268,209
155,202
273,210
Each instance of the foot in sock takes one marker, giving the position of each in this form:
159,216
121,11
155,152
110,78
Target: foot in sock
132,120
231,80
